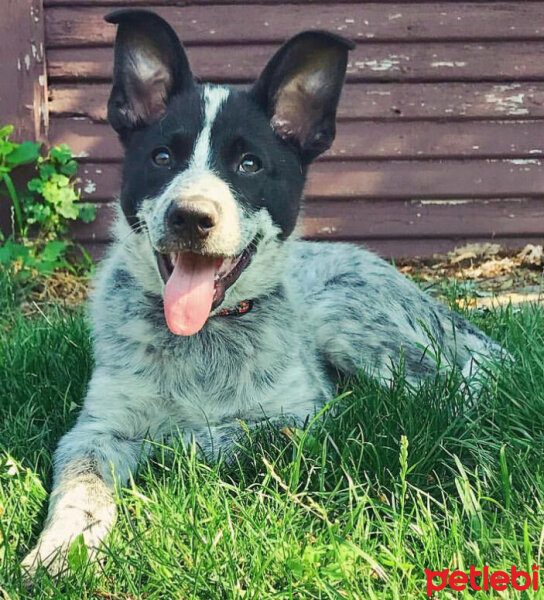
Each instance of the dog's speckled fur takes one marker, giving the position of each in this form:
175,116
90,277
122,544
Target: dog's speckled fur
318,309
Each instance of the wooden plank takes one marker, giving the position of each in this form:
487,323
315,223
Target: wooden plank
428,179
355,219
493,61
361,140
358,220
100,182
366,101
151,3
22,69
88,140
257,23
392,248
445,179
182,3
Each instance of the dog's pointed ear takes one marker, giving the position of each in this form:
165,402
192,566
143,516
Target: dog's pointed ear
150,65
300,89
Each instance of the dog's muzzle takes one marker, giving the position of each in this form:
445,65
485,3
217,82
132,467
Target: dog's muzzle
198,253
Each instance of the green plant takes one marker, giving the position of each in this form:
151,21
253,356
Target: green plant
13,155
58,199
42,210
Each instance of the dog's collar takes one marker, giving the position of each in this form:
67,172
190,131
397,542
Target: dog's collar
240,309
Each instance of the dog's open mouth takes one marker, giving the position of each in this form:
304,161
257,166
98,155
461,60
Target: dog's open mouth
196,285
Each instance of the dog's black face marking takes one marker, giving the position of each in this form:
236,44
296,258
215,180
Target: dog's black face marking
278,184
284,121
176,131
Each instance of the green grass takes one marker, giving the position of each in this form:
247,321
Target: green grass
389,483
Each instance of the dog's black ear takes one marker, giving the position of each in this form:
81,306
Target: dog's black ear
150,66
300,89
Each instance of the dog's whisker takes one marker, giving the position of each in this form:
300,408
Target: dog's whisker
138,229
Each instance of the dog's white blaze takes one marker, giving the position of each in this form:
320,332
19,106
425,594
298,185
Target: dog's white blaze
199,180
214,97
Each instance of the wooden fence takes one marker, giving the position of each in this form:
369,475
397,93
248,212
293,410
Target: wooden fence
441,132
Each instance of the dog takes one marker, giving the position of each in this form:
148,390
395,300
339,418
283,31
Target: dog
208,312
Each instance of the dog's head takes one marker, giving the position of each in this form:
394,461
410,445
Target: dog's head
213,175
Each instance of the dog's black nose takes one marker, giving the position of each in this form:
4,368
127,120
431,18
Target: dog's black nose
194,221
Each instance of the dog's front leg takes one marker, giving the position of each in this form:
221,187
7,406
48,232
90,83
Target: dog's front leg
80,504
224,439
89,460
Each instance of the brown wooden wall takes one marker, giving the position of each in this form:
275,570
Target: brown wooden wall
441,132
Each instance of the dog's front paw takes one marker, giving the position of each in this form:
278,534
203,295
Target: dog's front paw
51,553
59,548
50,557
75,528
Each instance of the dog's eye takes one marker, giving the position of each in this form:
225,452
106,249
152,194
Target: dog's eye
250,164
161,157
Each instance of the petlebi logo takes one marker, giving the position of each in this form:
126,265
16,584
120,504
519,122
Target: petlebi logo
483,579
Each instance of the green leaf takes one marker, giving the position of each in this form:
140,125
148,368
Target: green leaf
53,250
12,251
15,200
45,267
25,153
39,213
24,274
60,180
50,200
35,185
47,170
77,554
5,255
68,211
70,168
61,154
296,567
6,147
6,131
87,212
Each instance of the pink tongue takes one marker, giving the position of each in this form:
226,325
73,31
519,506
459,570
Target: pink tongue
188,296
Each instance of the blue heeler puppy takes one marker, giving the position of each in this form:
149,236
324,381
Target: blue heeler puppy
208,310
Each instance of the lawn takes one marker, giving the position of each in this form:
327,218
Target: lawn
390,482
